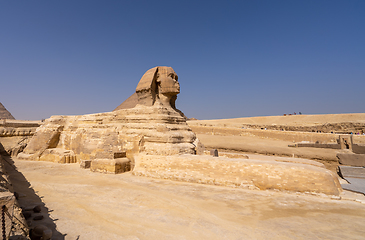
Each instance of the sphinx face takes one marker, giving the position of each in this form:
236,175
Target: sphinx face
167,80
158,84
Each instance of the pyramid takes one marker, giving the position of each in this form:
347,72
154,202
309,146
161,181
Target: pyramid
131,102
5,114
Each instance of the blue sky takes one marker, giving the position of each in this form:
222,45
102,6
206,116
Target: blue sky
233,58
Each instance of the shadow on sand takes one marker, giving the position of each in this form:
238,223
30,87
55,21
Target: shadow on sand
28,199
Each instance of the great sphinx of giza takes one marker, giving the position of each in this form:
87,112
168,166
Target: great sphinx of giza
153,126
157,84
148,135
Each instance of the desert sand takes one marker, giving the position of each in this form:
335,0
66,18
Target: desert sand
86,205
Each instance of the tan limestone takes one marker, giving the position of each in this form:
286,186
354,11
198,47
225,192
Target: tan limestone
115,166
58,155
241,173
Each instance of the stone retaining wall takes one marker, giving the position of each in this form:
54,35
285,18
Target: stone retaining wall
274,134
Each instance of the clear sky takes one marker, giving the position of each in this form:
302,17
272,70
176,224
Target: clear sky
233,58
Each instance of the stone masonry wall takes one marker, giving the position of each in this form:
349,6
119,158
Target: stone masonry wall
274,134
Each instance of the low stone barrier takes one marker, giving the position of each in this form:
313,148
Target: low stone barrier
351,159
319,145
273,134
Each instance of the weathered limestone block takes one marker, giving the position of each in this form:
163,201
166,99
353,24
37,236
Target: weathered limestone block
214,152
241,173
24,156
199,147
44,138
18,149
118,165
58,155
85,164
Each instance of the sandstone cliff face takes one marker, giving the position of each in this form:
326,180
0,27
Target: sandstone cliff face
156,130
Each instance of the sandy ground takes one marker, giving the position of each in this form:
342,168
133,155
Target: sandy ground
80,204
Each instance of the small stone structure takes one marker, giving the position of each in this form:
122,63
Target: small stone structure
214,152
353,154
346,142
120,165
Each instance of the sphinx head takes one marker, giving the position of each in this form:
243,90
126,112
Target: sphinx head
158,84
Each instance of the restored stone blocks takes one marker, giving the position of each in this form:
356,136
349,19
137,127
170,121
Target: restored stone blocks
85,164
58,155
119,165
120,154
